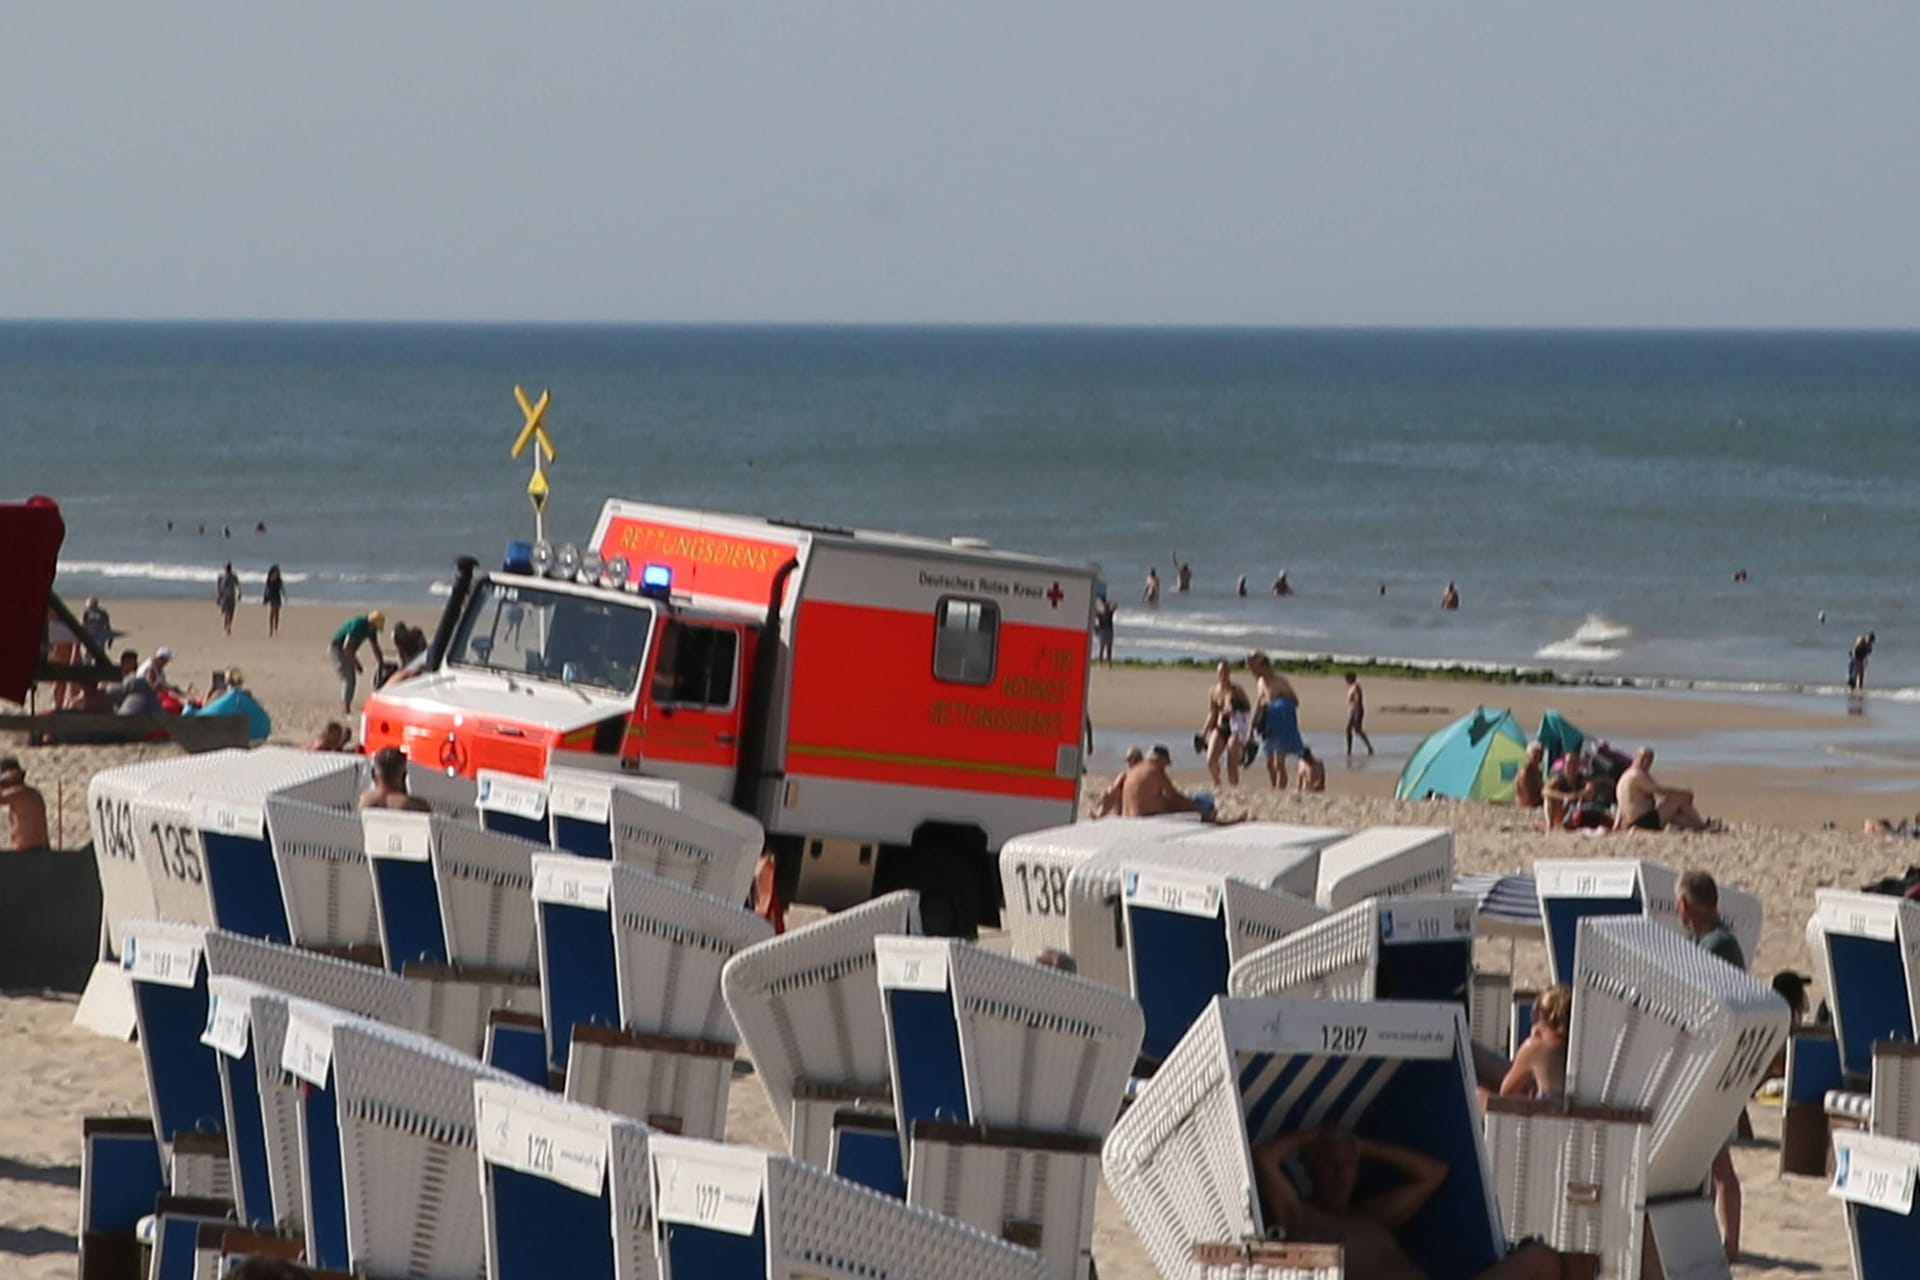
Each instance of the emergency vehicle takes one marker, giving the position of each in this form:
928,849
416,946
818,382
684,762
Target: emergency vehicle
891,708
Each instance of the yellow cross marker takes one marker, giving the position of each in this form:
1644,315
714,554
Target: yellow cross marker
535,428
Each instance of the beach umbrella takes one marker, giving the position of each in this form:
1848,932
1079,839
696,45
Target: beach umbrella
1505,904
1558,734
1476,757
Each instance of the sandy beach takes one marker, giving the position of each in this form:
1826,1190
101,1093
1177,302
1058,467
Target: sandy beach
1778,845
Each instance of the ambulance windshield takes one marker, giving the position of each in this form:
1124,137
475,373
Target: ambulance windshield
523,629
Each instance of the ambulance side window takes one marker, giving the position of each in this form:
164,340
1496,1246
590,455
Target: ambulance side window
696,667
966,634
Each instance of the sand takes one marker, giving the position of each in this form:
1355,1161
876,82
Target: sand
52,1074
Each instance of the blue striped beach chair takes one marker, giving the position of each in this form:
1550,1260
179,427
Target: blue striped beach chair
1180,1165
745,1215
321,856
1417,947
564,1188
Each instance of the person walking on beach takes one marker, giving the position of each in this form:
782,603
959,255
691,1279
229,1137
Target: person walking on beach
1227,725
1857,662
363,628
1150,594
1697,900
1276,711
226,594
273,595
26,808
1103,610
1356,714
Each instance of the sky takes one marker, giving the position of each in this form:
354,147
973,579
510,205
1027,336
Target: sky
917,161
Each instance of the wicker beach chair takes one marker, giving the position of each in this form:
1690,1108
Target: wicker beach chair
1180,1165
1385,862
165,962
305,1032
743,1214
321,855
976,1037
121,1176
406,901
1574,1176
1291,852
1269,1260
409,1161
807,1006
1662,1026
663,1053
511,804
484,881
246,974
447,793
683,835
1576,889
564,1188
1187,926
1874,1177
1871,946
1036,1189
1037,881
1418,947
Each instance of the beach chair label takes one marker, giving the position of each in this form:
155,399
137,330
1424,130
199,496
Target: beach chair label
511,794
1349,1030
918,969
1441,921
534,1142
1188,895
307,1050
1621,880
708,1193
580,799
228,1018
397,834
1872,1170
228,817
1858,916
566,881
166,961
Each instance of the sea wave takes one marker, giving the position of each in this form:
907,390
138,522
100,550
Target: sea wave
162,571
1574,651
1599,630
1214,625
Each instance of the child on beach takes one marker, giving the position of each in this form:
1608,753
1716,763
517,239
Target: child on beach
1540,1068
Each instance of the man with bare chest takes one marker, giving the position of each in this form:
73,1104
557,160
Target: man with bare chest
1364,1228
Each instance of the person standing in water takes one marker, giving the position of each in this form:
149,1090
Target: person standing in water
1182,575
1150,594
1450,598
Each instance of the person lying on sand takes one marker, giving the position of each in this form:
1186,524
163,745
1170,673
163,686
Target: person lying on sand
1643,803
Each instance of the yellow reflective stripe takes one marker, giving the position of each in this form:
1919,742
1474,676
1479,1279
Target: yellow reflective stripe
931,762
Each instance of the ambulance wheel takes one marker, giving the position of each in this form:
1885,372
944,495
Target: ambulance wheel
949,896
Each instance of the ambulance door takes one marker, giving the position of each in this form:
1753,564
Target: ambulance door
693,704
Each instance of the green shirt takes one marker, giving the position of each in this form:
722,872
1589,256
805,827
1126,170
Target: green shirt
352,633
1722,943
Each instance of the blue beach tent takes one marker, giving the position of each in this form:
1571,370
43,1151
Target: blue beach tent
1476,757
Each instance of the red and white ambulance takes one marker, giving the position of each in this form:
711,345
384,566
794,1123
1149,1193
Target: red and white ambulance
891,708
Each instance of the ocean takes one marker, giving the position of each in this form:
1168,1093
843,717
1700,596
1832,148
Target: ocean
1591,493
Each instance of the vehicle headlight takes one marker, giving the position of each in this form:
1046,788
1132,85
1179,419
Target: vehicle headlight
542,558
568,561
591,566
619,569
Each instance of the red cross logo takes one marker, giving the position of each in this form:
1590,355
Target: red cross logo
453,754
1055,595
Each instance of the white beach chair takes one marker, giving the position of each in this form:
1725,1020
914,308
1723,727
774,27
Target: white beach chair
304,1031
565,1188
1290,853
674,831
1179,1162
1035,1189
409,1161
745,1215
807,1005
165,962
664,1052
1573,1176
1385,862
513,805
1663,1026
976,1037
399,849
1188,924
1874,1177
484,880
448,793
1490,1012
1576,889
1418,947
1037,880
321,855
1269,1260
1870,943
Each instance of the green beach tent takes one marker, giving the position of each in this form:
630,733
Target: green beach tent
1558,734
1476,757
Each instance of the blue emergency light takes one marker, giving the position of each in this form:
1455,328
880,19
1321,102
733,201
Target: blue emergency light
656,580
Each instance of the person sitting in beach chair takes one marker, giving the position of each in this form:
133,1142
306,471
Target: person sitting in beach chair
1539,1069
389,789
1330,1210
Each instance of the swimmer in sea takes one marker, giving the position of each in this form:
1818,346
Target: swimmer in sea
1150,594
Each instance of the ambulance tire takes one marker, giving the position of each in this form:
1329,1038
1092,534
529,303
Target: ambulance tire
949,894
